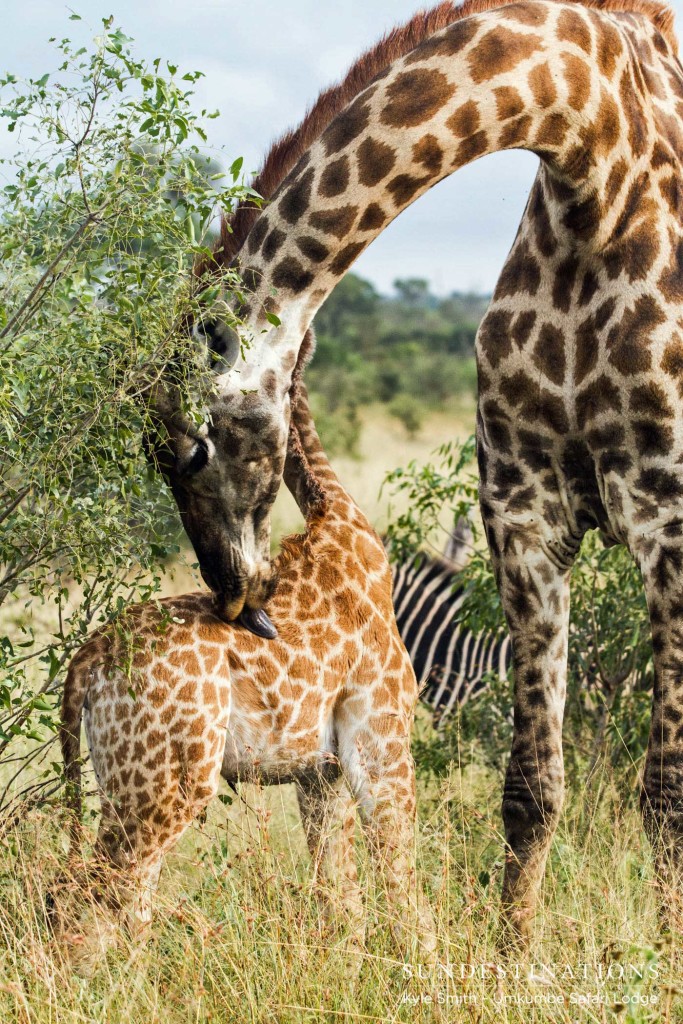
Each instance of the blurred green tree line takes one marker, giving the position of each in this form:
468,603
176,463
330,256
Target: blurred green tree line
411,351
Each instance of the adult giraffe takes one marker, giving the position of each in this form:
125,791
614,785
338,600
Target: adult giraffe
580,420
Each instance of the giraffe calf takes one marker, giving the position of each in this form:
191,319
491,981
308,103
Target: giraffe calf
173,698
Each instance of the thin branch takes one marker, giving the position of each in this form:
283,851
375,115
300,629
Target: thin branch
29,758
8,582
45,790
70,242
14,503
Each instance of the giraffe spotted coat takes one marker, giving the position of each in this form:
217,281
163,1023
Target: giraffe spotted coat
174,698
580,357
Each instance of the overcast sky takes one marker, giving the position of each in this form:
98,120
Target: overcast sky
264,62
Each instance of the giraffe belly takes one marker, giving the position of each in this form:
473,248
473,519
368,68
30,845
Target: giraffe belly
279,742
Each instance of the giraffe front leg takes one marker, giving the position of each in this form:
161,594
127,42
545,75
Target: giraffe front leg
380,771
534,592
328,815
662,784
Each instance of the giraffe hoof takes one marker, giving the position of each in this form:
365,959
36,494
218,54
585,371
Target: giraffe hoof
257,622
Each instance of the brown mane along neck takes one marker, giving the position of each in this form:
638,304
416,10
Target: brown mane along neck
285,152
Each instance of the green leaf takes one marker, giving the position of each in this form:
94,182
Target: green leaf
54,665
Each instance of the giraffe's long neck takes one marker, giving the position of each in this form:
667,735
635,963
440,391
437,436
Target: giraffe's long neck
557,79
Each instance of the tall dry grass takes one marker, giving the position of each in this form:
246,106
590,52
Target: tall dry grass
238,933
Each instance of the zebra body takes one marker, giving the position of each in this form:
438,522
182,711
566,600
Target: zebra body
450,661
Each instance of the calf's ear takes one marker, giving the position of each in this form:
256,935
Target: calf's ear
306,490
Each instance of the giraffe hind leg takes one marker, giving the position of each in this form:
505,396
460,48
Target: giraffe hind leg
328,815
661,562
535,596
381,773
117,887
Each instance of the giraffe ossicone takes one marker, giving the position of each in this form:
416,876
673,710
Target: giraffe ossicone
174,698
580,356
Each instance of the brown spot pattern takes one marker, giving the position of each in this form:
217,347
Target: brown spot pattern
347,126
312,249
345,257
429,153
292,275
542,85
375,161
296,199
573,28
336,222
404,187
578,78
373,218
415,97
549,353
500,50
465,120
335,178
629,341
509,103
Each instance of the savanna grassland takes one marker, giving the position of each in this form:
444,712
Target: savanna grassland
238,936
109,202
238,933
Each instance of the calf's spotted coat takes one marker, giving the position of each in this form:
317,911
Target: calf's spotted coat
580,357
174,698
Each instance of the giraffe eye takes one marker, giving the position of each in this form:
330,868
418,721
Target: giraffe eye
194,461
222,343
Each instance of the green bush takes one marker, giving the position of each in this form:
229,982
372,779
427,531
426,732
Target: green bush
377,349
108,204
408,411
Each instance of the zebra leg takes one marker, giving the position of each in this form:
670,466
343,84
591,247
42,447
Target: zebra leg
534,592
328,814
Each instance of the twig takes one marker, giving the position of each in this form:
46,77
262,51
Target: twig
17,500
70,242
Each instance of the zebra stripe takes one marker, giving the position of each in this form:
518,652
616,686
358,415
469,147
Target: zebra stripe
450,661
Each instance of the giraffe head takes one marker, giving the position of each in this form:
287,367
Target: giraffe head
225,475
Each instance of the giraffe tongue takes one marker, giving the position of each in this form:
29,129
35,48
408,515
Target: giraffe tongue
257,622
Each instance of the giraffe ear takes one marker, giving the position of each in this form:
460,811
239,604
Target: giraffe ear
306,489
301,481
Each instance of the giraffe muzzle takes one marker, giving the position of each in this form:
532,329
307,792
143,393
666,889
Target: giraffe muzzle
244,600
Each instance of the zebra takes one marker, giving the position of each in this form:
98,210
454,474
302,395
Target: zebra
451,662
